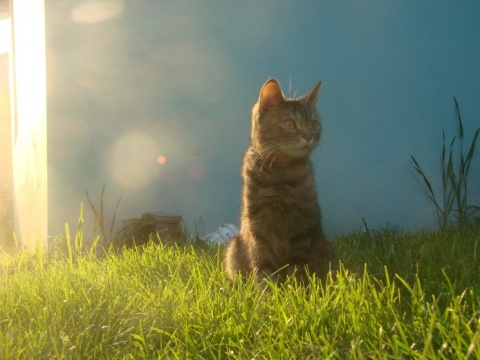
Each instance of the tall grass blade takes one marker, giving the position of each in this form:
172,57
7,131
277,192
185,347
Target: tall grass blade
68,238
100,226
95,213
459,116
431,195
454,179
425,179
469,157
101,217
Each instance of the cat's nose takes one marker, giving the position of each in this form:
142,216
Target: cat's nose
307,135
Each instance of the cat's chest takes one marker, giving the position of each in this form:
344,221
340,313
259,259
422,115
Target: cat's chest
295,191
285,206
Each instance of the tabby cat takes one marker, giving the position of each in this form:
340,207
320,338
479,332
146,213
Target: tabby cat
280,227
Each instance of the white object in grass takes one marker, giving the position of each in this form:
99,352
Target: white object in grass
222,234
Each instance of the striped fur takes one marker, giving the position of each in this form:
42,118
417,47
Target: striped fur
280,227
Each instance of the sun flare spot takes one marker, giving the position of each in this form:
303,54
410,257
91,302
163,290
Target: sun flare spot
161,160
131,160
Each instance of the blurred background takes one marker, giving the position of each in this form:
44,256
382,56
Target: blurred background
153,99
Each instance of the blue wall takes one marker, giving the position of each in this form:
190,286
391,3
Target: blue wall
131,81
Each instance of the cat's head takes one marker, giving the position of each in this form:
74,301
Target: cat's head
285,129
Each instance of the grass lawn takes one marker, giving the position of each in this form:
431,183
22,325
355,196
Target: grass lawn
398,296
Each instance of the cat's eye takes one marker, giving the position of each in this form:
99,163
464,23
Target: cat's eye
289,124
314,126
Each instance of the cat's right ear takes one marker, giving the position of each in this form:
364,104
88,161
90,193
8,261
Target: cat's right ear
311,97
271,96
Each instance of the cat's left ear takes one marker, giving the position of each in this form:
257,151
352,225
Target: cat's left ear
271,95
311,97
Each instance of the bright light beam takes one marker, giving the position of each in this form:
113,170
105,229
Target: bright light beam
29,130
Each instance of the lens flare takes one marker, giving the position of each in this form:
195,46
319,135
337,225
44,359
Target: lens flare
97,11
161,160
131,160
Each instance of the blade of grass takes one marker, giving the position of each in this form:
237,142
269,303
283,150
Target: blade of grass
431,195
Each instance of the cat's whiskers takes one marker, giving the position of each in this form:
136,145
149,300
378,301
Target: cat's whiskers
273,159
274,150
283,146
262,156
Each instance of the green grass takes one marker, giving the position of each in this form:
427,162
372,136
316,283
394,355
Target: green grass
404,296
455,170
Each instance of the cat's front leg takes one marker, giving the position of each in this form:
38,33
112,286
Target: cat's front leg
264,266
322,259
236,259
262,274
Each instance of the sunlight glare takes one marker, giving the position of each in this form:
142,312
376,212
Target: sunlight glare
5,36
97,11
132,160
30,130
